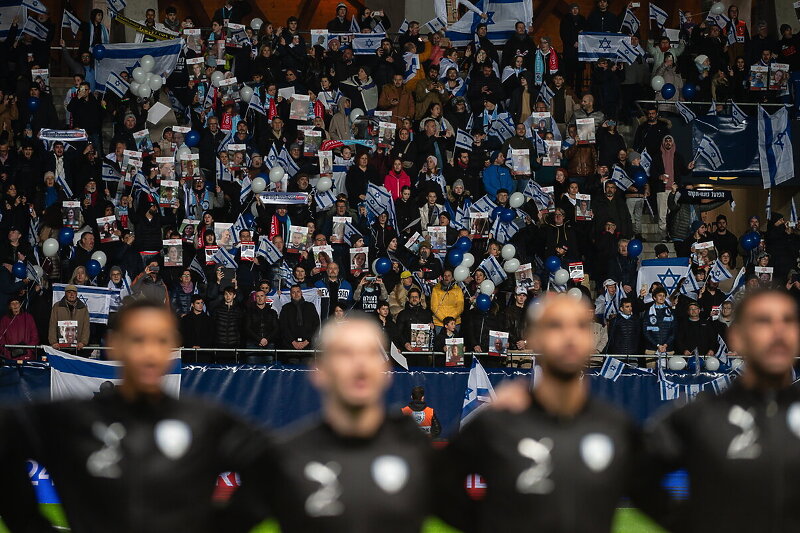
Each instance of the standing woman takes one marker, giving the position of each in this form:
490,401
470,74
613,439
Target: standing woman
358,178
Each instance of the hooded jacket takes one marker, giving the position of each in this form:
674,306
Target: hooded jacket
63,311
446,302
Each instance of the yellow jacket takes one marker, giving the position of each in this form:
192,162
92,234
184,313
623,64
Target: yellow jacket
446,303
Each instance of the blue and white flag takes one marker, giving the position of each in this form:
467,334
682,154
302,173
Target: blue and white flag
712,110
491,266
197,268
768,207
690,287
718,272
668,272
546,94
65,186
503,231
630,22
612,368
116,6
71,21
709,150
256,105
722,351
403,27
483,204
141,183
542,199
224,257
366,43
74,377
35,5
351,234
594,45
126,56
436,24
268,250
110,172
646,160
247,188
289,165
35,29
9,10
379,201
96,299
502,17
721,383
720,20
479,392
627,53
355,27
682,17
412,63
502,128
687,114
775,147
738,283
620,178
658,15
738,116
324,200
792,215
240,224
117,85
464,140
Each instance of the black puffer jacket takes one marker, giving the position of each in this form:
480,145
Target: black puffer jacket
477,325
261,324
624,335
228,326
411,315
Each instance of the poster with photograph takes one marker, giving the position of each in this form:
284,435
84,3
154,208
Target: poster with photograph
479,224
383,116
298,239
71,215
298,109
337,234
454,351
143,141
386,134
173,252
583,207
224,233
585,130
576,271
168,193
106,226
437,235
524,276
211,250
552,158
229,90
190,165
551,206
323,255
166,168
778,76
188,230
193,42
237,156
759,77
41,77
704,253
312,140
247,250
325,163
764,274
359,260
320,38
540,122
421,337
413,242
68,333
498,342
521,161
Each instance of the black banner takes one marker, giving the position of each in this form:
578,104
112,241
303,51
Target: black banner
697,196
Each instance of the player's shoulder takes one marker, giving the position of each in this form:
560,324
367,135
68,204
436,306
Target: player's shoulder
601,409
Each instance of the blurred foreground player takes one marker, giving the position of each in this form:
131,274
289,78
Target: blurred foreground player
133,459
741,448
563,460
359,468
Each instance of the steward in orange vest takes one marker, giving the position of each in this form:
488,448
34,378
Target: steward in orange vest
424,416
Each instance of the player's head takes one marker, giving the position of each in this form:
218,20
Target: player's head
143,336
765,331
561,331
351,368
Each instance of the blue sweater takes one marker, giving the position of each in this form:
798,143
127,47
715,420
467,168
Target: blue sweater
497,177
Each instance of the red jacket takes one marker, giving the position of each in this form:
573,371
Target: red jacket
20,329
394,183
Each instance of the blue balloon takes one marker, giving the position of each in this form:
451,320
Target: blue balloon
383,265
750,240
483,302
192,139
668,90
552,263
93,268
65,236
464,244
20,270
496,212
454,257
689,91
507,215
99,51
33,103
634,248
640,180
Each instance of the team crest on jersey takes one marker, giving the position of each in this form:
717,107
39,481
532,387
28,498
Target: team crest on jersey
390,473
744,445
536,478
597,451
793,418
173,438
653,319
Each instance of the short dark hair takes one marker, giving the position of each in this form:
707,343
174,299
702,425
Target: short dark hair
229,289
418,393
740,310
414,289
722,217
659,290
447,320
624,301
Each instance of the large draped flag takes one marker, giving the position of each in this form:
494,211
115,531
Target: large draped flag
126,56
775,147
594,45
479,392
96,299
502,17
668,272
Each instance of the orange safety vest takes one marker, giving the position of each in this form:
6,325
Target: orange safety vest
424,418
740,27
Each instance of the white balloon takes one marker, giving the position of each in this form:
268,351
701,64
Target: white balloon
657,82
276,174
508,251
516,200
355,114
575,292
460,273
147,63
676,363
468,260
561,277
134,86
100,257
324,184
155,82
254,208
487,287
139,74
50,247
511,266
256,23
37,273
712,363
217,77
736,363
144,91
259,185
717,8
246,93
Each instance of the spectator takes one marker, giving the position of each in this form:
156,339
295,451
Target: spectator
694,334
651,132
228,321
17,327
448,331
386,323
668,167
572,24
623,268
261,327
69,308
414,313
335,291
447,299
424,416
497,176
182,294
659,325
601,19
197,329
149,285
515,319
624,331
399,294
299,322
724,240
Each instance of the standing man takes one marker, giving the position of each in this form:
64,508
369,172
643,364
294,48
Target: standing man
572,24
422,414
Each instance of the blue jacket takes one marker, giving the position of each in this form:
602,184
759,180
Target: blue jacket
497,177
658,327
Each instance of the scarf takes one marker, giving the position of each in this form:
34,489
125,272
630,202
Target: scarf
103,34
651,313
539,68
488,118
187,288
193,208
668,157
608,304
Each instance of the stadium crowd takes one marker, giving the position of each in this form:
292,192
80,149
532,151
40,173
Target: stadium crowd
478,147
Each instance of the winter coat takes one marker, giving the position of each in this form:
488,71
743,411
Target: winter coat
197,330
62,311
227,326
624,335
20,329
292,327
411,315
261,324
445,303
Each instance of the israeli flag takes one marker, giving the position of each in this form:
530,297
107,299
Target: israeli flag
792,215
721,383
435,25
712,110
116,6
502,128
666,388
412,65
378,201
484,204
690,287
268,250
627,53
464,140
612,368
709,150
403,27
224,257
324,200
668,272
546,94
35,5
70,21
630,22
479,392
722,351
109,172
73,377
502,16
681,17
126,56
272,159
775,147
223,144
65,186
35,29
493,270
719,272
687,114
256,105
247,188
620,178
594,45
658,15
535,192
197,268
117,85
646,161
354,25
738,116
96,299
140,183
366,43
288,164
351,234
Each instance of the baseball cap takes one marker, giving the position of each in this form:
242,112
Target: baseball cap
72,288
608,282
520,290
405,274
